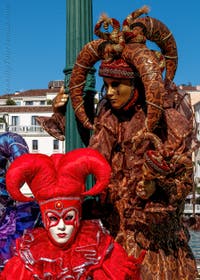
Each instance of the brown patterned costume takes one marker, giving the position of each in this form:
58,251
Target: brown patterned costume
154,223
148,145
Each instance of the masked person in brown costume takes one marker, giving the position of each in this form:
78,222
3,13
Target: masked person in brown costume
144,128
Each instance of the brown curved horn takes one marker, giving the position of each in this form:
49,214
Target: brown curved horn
158,32
146,63
163,37
87,57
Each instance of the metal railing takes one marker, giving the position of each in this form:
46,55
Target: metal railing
24,129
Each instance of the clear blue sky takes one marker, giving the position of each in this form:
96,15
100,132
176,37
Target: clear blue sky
32,45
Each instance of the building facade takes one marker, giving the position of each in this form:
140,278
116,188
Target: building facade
192,205
194,92
18,112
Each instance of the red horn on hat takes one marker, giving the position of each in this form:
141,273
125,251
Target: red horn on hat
35,170
78,164
60,175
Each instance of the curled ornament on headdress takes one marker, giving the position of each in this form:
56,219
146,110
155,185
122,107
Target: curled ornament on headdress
115,37
128,44
155,31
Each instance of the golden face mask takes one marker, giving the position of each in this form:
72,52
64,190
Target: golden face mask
118,91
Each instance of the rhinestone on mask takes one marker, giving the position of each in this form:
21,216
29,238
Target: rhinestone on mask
58,205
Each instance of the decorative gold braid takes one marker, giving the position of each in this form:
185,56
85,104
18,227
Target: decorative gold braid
151,27
78,107
170,34
86,121
82,66
79,85
92,49
154,105
170,57
149,72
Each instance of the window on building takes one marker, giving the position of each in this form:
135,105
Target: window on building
33,120
28,102
33,123
34,145
55,144
15,120
42,102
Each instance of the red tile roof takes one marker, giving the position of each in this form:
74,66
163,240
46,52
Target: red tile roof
31,92
26,109
188,88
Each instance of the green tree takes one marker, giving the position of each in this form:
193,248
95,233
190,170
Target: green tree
10,101
49,102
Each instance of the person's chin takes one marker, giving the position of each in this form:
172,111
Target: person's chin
116,107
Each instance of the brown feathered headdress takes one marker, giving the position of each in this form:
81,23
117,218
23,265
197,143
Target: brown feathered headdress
129,45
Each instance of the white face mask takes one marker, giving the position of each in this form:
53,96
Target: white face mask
62,227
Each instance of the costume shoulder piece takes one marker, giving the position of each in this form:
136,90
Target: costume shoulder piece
89,250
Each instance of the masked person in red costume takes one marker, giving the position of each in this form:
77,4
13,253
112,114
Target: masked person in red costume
67,248
144,128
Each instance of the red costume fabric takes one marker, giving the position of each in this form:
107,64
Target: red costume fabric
93,255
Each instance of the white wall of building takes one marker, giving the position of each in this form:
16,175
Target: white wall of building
38,140
46,145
